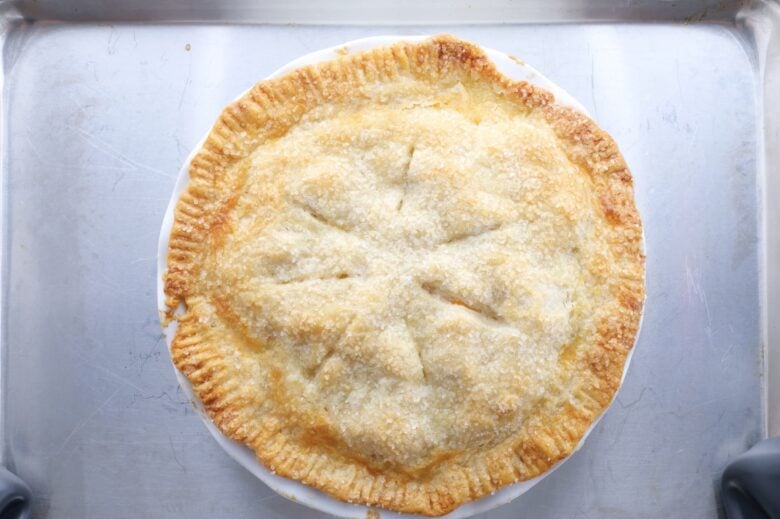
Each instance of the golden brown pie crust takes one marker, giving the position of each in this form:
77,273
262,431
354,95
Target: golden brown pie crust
245,373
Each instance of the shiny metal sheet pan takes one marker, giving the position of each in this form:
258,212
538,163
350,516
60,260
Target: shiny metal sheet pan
102,101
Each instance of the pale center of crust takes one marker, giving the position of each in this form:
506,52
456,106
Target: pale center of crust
408,276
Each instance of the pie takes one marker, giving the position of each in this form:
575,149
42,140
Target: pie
406,279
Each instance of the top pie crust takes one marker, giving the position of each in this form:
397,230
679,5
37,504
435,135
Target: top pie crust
408,280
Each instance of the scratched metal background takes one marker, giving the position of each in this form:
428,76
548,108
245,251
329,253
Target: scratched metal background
97,119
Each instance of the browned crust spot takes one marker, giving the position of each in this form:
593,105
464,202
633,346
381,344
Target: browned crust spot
267,111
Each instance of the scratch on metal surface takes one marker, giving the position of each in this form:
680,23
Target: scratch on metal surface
677,77
180,149
83,422
144,442
34,149
619,432
727,352
638,399
267,498
715,423
76,102
186,84
150,354
107,281
684,412
105,147
158,397
140,198
110,374
118,179
86,240
64,166
113,39
175,457
610,470
709,401
695,288
142,260
304,42
593,86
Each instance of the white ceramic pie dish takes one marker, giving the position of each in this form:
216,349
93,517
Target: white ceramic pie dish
292,489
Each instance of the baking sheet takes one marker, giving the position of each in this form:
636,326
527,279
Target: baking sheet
97,119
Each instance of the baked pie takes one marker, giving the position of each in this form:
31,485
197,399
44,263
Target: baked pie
406,279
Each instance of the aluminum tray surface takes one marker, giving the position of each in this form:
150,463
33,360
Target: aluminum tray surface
97,119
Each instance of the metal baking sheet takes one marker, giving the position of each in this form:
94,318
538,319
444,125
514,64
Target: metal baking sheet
99,110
